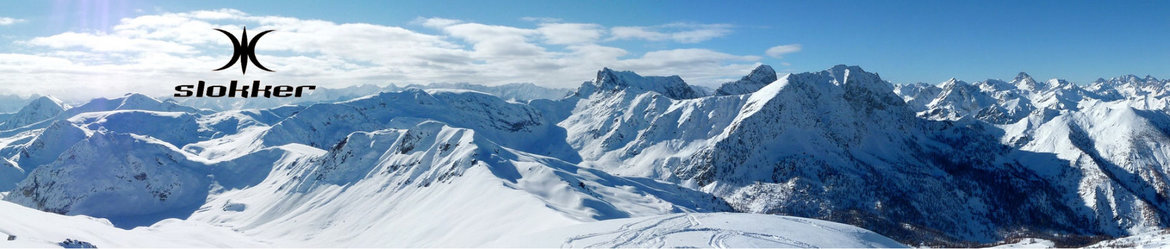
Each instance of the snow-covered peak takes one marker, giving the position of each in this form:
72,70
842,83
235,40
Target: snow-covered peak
908,90
1057,84
513,91
47,103
671,86
917,95
136,99
1023,81
762,73
1022,76
1131,81
133,101
755,80
956,100
995,85
854,76
10,103
951,83
38,110
847,77
142,176
840,89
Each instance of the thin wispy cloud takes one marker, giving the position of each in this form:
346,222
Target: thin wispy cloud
571,33
781,50
677,32
10,21
540,19
151,53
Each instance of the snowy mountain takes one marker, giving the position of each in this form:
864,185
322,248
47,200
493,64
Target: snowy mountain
758,78
624,160
957,99
11,103
669,86
148,176
522,92
755,151
1108,140
38,109
917,95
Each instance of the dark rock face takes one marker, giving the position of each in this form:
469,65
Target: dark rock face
758,78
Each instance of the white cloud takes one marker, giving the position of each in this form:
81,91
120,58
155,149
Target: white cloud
494,41
4,21
109,43
152,53
435,22
571,33
780,51
10,21
219,14
698,66
540,19
678,32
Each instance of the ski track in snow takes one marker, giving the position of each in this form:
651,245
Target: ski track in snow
652,233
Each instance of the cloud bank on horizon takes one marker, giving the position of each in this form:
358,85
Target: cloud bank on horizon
151,53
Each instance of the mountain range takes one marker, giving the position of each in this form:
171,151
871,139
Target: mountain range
623,160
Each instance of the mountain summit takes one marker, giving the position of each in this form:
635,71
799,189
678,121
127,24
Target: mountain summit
671,86
755,80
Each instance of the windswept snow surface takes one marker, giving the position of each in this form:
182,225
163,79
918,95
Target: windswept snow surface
34,228
713,230
1152,239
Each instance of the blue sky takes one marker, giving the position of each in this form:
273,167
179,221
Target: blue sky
904,41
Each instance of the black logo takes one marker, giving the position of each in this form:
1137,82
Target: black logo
245,50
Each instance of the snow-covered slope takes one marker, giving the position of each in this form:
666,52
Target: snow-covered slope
403,175
32,228
940,181
1108,140
625,160
1114,157
44,141
146,178
1152,239
37,110
432,185
515,125
11,103
755,151
714,230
